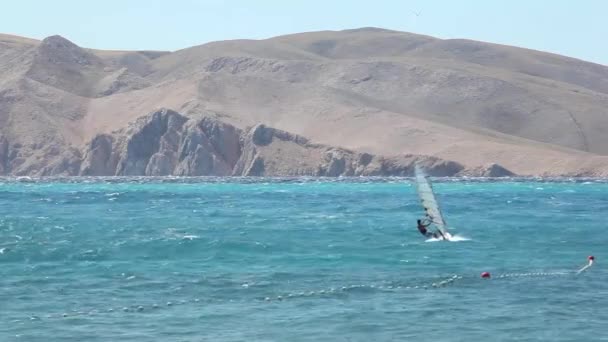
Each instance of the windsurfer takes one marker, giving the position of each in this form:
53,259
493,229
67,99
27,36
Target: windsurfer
431,209
422,228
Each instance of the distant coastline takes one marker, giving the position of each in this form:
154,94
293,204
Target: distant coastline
277,180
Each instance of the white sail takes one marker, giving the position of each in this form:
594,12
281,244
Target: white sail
429,202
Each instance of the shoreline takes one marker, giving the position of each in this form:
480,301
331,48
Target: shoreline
288,179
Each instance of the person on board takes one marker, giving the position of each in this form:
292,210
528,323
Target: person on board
423,229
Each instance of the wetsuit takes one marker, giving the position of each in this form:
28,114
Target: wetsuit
424,231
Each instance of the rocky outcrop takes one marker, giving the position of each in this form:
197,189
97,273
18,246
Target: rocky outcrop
99,159
38,159
495,170
208,148
151,145
66,164
167,143
490,170
404,166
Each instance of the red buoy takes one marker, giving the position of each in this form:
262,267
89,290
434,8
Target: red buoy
591,258
485,274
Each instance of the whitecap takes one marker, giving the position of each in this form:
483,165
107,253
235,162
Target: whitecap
458,238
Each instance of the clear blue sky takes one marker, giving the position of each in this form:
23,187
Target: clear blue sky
574,28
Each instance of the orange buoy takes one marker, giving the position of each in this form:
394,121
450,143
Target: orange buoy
485,274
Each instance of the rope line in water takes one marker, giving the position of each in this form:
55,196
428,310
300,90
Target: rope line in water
293,295
347,289
533,274
303,294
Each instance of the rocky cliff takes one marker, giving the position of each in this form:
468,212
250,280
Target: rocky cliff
168,143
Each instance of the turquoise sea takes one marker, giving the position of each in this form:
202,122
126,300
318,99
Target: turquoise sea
300,260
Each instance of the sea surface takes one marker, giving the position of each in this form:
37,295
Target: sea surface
300,260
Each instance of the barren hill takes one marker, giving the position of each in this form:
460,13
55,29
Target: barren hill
369,90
